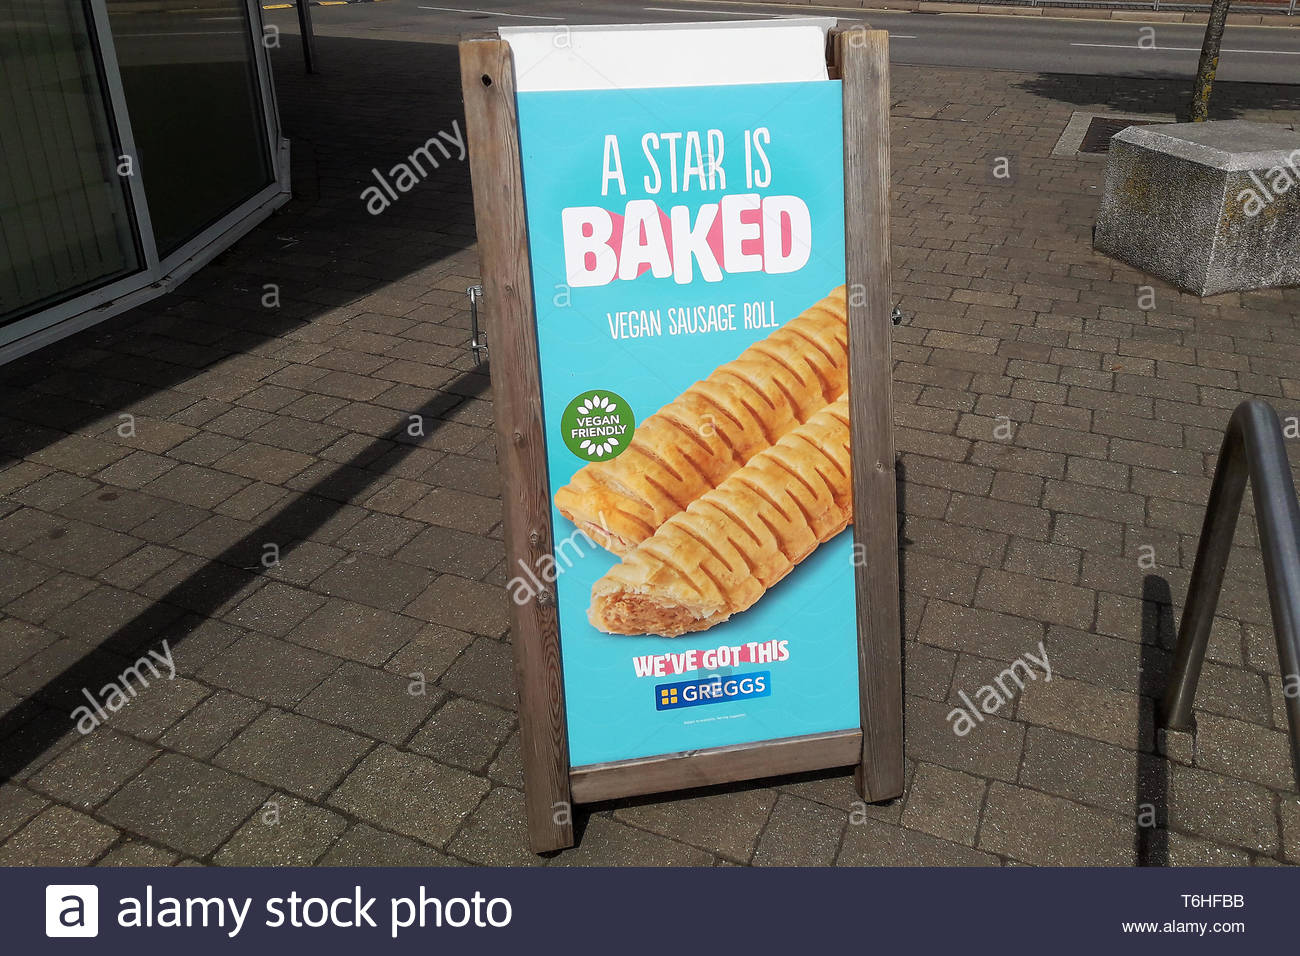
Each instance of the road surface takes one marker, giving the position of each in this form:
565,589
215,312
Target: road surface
1024,44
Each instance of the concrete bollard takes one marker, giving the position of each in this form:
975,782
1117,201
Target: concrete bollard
1208,207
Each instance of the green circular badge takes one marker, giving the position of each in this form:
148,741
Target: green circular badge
598,425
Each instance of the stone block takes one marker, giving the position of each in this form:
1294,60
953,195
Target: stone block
1208,207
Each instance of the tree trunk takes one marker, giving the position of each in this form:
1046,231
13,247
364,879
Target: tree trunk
1209,64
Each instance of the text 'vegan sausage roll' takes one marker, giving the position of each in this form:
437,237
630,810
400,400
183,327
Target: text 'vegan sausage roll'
719,555
713,428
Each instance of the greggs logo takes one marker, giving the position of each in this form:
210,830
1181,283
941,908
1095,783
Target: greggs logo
713,690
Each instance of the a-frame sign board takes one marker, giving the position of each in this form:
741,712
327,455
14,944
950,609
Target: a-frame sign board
873,741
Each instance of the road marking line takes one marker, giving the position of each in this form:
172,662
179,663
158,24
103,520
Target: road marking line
1184,49
184,33
755,15
762,4
492,13
290,6
707,10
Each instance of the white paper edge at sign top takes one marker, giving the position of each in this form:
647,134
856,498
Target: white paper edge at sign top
646,55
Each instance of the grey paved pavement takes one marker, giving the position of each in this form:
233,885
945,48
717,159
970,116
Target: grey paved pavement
248,484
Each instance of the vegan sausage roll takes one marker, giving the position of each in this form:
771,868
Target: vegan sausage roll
691,445
719,555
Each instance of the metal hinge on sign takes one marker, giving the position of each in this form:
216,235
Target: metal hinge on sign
477,339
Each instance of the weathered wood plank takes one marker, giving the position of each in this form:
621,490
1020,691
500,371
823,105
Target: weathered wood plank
864,62
487,77
702,768
834,67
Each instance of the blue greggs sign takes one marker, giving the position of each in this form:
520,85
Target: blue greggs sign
670,230
713,690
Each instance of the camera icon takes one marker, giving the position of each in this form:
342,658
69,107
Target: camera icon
71,909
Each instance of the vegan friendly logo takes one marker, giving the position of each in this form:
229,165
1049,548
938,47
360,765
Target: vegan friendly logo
597,425
713,690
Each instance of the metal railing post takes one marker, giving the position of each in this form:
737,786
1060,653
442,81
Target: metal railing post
307,34
1253,447
1212,552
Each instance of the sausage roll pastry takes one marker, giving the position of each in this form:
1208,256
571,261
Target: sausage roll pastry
694,442
719,555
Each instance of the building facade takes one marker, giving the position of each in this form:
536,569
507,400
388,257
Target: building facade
138,139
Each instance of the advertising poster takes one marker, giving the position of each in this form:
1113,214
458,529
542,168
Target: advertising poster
687,250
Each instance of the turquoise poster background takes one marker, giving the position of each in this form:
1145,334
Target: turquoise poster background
567,163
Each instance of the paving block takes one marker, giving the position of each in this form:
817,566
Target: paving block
464,733
605,842
293,752
728,824
800,833
410,794
496,833
184,804
59,836
869,842
284,831
372,702
365,845
89,771
1036,828
944,803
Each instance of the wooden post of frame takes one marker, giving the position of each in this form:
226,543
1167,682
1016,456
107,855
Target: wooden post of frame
488,81
858,56
862,57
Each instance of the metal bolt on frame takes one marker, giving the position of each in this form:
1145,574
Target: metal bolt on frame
477,339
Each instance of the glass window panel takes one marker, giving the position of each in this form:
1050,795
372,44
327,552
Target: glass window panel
196,110
65,221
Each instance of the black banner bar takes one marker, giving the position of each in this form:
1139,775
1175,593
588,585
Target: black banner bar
633,911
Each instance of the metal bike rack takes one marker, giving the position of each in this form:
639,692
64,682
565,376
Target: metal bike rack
1253,448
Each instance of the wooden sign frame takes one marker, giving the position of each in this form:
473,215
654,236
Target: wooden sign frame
859,57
